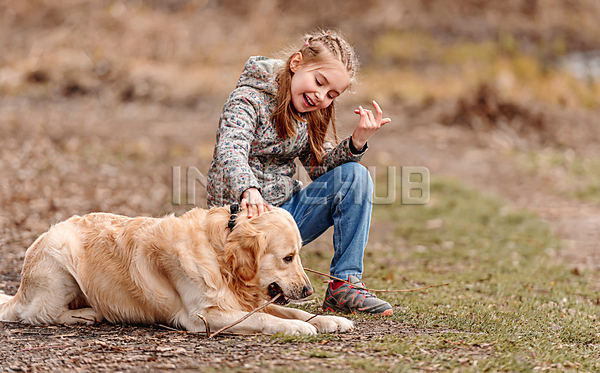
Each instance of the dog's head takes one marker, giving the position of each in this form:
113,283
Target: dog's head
264,252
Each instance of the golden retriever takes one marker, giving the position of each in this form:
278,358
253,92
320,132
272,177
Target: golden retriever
168,270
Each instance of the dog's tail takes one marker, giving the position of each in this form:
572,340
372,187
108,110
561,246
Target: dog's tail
7,308
4,298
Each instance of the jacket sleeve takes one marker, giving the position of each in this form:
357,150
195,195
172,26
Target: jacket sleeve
237,125
332,157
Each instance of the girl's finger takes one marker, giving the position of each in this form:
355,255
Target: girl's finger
377,107
359,110
370,115
260,208
378,110
363,116
247,206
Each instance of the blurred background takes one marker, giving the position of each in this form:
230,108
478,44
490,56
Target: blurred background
99,99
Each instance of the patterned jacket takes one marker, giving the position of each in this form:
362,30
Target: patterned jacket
248,153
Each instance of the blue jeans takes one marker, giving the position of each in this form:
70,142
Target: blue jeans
343,197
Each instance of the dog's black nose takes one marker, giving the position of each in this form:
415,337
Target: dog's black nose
307,290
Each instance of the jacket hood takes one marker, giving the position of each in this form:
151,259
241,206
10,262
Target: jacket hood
259,73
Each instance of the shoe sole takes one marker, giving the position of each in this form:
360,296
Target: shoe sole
388,312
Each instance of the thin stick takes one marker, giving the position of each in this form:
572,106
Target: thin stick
65,335
246,316
180,331
83,318
312,317
171,329
206,326
373,290
43,347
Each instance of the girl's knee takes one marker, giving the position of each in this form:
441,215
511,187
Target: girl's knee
357,174
355,179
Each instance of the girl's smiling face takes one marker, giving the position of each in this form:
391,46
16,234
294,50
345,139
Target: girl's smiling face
315,85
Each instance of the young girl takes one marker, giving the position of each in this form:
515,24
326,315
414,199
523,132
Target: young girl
280,111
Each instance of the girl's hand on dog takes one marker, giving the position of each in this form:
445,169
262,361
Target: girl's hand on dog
252,198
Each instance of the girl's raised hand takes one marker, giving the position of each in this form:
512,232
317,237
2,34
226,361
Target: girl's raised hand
369,123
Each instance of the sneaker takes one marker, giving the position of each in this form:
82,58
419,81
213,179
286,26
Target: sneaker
348,299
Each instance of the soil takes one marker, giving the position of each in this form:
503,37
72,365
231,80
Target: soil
101,138
131,348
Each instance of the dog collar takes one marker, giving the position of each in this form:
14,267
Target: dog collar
234,209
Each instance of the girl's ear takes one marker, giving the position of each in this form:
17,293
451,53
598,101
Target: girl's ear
295,62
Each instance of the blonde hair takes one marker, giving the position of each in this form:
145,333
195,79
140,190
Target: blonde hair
285,114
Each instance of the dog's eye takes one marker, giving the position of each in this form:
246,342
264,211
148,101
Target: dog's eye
288,259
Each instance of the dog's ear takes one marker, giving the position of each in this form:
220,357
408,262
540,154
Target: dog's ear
245,247
216,226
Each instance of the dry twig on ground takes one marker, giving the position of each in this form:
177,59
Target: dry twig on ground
206,326
373,290
245,317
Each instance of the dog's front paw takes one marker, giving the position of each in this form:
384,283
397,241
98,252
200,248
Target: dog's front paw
294,327
331,324
87,316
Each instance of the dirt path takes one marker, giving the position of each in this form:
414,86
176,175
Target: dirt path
105,348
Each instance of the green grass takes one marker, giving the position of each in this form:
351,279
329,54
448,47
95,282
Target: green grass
572,176
508,307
